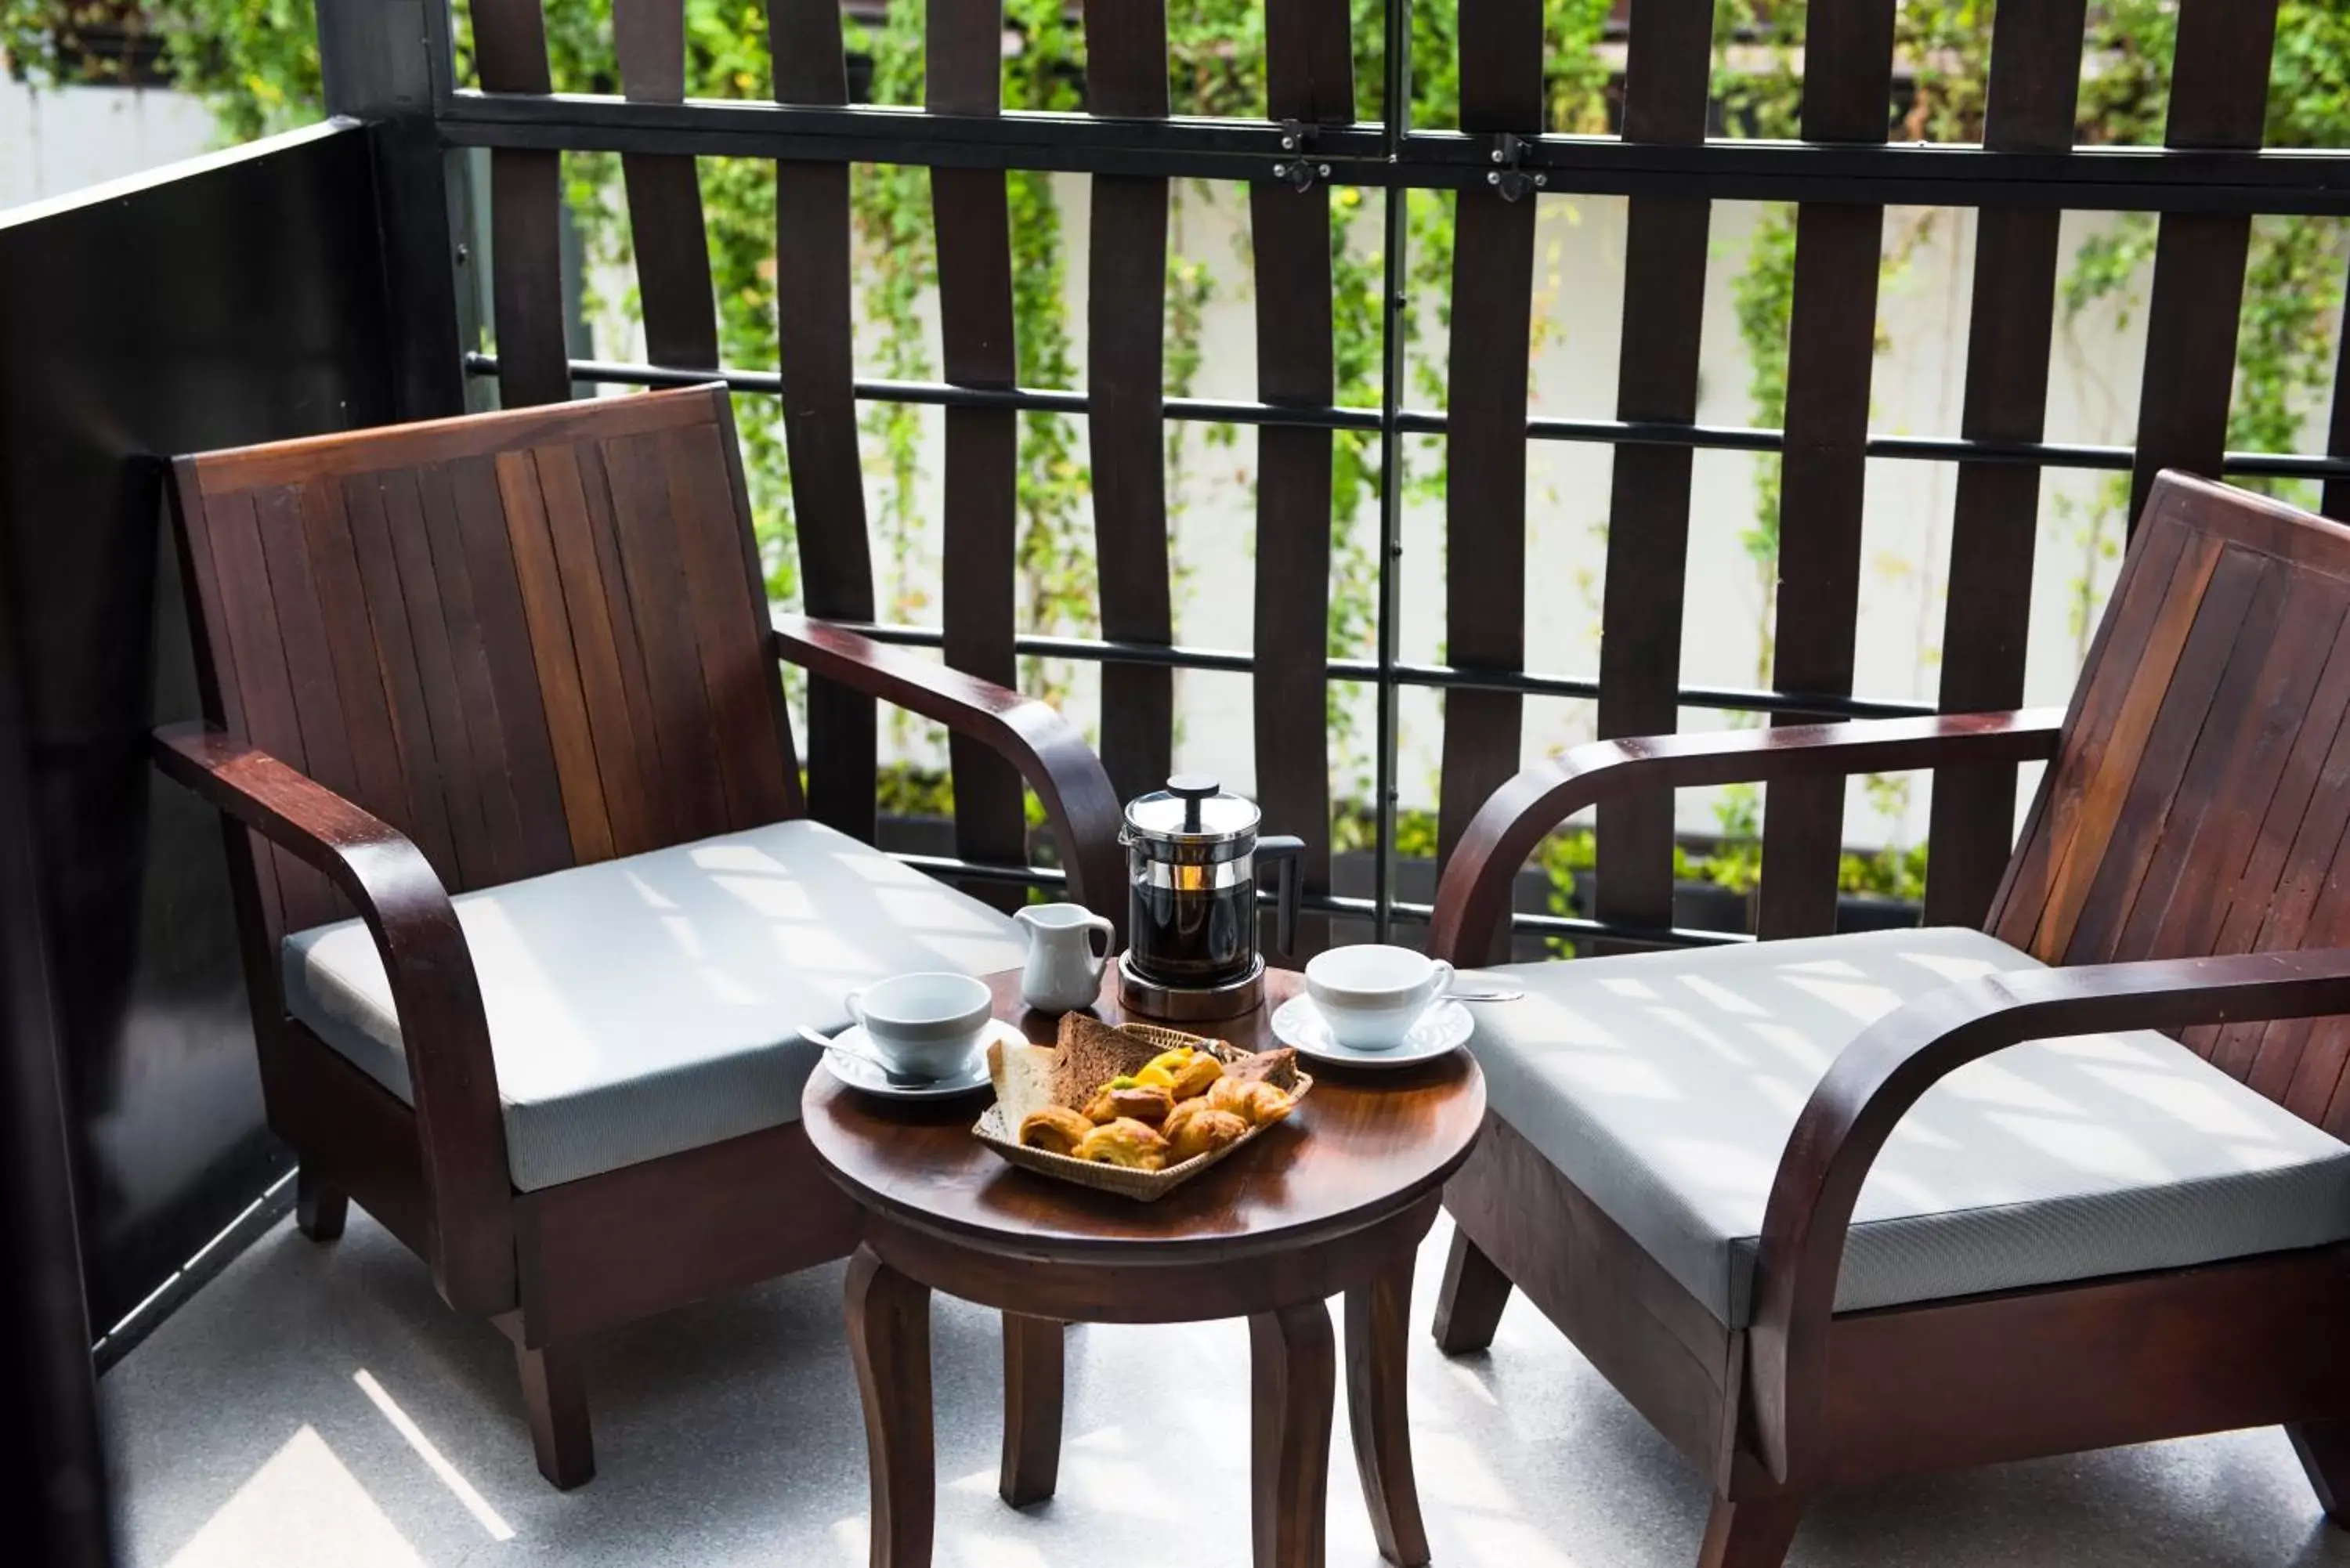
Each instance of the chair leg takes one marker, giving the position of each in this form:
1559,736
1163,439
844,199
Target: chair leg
1755,1533
2325,1451
319,1210
1469,1306
554,1390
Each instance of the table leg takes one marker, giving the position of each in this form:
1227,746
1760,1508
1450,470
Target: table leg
1031,1409
1377,1337
890,1339
1293,1381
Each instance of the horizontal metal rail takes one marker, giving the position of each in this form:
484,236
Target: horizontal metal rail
1426,422
2090,178
1441,677
1047,877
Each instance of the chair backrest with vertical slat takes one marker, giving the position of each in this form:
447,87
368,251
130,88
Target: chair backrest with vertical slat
527,641
2198,803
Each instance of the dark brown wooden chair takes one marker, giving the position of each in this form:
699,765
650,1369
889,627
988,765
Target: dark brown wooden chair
1764,1190
526,659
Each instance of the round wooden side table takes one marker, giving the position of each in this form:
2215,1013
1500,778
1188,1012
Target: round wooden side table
1333,1202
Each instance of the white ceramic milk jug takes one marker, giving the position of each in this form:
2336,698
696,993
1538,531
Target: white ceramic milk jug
1063,972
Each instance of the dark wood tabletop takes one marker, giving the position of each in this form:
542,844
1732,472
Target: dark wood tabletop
1362,1145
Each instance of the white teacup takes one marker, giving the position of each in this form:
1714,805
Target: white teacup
1371,995
923,1025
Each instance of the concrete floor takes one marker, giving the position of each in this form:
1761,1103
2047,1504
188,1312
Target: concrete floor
317,1406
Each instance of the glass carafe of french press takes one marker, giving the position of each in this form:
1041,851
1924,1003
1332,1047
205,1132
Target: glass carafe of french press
1192,853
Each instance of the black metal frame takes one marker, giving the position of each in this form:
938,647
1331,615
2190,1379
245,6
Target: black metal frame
1395,158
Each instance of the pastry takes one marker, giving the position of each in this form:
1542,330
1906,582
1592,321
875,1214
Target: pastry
1056,1129
1195,1076
1176,1060
1146,1103
1103,1107
1204,1132
1124,1142
1173,1127
1255,1101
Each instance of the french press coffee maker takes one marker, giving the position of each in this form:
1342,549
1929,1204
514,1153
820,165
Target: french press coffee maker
1192,858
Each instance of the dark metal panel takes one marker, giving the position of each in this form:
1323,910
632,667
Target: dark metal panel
1485,476
237,299
2035,73
1665,98
55,1487
1831,346
2219,94
1126,74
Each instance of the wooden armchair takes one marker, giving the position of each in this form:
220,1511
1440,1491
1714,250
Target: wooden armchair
1776,1194
526,659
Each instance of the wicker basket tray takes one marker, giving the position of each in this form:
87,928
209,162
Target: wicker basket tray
1143,1186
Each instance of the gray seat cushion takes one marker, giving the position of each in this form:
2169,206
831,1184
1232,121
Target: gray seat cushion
641,1006
1664,1086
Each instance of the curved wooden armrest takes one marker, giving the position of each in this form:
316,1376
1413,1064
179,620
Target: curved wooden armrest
1472,897
1877,1078
1047,748
451,1076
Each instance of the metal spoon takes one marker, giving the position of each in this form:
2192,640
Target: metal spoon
895,1079
1496,993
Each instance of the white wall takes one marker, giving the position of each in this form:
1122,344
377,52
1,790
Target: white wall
1920,384
54,141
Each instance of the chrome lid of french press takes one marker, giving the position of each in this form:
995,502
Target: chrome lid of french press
1192,813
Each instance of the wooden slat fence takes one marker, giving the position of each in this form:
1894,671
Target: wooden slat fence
1842,178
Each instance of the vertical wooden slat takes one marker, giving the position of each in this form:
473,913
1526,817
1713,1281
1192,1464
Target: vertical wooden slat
359,676
360,503
323,750
525,222
491,780
729,608
1666,76
662,614
2240,607
1308,79
570,735
975,327
812,266
596,651
1485,471
489,559
665,194
1126,75
2219,95
396,497
2034,85
1831,346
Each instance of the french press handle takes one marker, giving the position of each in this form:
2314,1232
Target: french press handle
1286,849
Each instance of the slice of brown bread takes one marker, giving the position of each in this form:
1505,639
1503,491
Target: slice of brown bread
1092,1053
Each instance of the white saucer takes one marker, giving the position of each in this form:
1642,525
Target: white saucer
869,1079
1442,1028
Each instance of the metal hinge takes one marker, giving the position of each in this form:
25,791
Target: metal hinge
1300,172
1512,179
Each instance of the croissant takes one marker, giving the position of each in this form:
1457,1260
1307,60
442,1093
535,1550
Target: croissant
1056,1129
1204,1132
1252,1099
1124,1142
